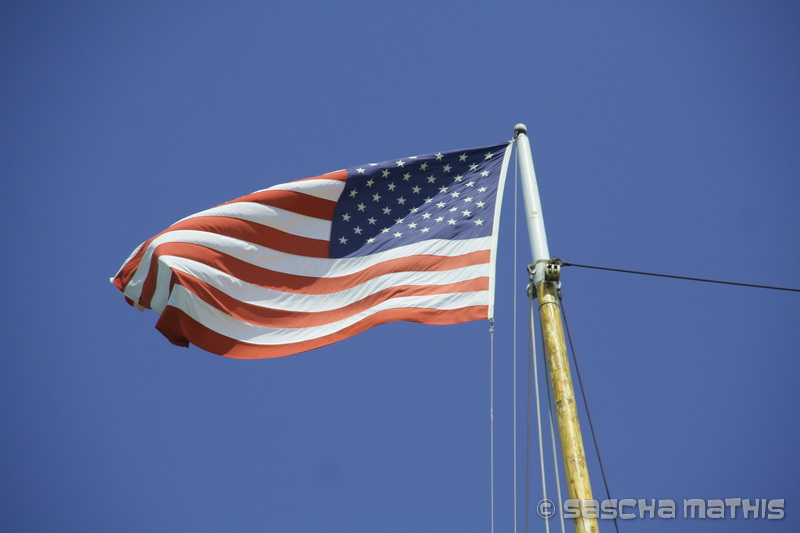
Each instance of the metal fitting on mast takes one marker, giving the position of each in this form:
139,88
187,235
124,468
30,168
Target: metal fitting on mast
552,274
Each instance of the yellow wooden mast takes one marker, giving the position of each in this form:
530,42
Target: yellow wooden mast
544,280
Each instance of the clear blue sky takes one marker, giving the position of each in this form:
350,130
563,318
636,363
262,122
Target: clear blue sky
665,137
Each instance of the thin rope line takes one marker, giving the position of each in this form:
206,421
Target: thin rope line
528,440
585,401
555,468
532,358
514,334
566,263
491,421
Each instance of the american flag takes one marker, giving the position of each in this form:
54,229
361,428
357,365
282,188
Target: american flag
304,264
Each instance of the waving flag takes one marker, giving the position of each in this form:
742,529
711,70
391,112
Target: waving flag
308,263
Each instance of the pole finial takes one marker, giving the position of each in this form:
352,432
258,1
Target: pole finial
520,128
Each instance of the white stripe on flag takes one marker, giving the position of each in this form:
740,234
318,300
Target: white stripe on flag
233,328
274,217
318,267
321,188
306,303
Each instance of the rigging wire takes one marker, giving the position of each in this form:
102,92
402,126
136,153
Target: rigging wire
567,263
555,463
528,447
514,334
585,401
491,421
532,362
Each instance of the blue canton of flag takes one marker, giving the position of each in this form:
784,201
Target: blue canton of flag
448,195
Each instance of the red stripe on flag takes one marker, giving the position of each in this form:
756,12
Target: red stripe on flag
177,326
129,269
238,229
271,279
296,202
278,318
290,200
255,233
244,230
339,175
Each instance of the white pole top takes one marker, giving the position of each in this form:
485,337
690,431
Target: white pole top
533,205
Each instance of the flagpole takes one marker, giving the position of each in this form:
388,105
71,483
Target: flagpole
544,279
